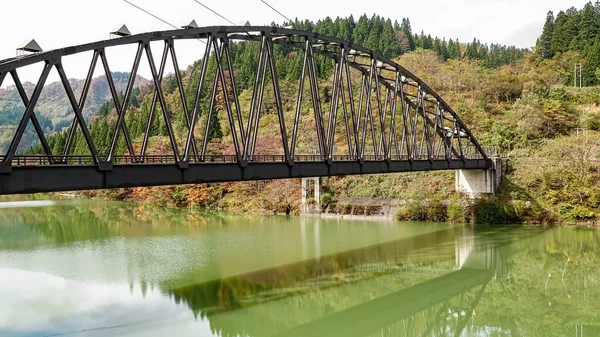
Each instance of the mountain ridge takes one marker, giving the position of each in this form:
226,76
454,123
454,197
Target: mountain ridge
54,104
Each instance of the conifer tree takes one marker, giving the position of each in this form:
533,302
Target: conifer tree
388,44
570,29
346,28
482,53
588,27
445,55
559,43
419,40
361,32
437,48
544,43
592,62
374,34
428,42
407,30
471,51
453,49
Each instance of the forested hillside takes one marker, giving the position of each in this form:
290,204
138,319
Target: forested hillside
574,30
377,33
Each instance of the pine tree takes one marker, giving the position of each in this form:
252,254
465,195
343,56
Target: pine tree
588,27
454,49
544,43
214,130
374,34
346,28
388,44
445,54
592,62
407,30
559,43
361,32
419,40
428,42
326,27
571,29
437,48
471,51
482,53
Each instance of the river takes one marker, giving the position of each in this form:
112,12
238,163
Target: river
94,268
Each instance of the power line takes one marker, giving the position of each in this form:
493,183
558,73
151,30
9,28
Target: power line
152,15
156,17
221,16
278,12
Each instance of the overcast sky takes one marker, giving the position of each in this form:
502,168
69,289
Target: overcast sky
60,23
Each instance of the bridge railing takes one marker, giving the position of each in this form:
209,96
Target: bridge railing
42,160
38,160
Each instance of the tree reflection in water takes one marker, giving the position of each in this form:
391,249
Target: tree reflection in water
263,276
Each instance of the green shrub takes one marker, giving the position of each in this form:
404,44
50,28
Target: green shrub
491,211
178,197
436,210
459,209
326,198
558,93
590,119
413,210
573,213
418,209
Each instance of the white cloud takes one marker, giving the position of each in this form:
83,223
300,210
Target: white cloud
43,304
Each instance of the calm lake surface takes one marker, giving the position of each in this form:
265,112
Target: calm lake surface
90,268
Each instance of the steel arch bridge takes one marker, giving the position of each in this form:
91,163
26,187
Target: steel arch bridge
380,118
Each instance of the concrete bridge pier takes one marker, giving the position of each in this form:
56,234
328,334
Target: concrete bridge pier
479,183
311,196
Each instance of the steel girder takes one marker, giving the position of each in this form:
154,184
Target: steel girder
397,117
54,178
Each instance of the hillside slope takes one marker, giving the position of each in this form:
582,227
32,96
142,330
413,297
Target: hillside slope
53,103
548,131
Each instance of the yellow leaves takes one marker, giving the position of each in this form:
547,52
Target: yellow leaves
425,63
503,85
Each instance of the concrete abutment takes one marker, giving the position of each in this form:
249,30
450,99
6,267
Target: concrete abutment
311,196
480,183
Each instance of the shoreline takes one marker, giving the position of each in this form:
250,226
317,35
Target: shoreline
394,211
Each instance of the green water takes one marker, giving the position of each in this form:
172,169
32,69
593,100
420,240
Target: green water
80,268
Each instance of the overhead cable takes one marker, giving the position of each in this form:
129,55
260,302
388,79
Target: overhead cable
155,16
210,9
276,11
152,15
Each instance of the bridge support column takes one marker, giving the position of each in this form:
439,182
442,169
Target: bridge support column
479,183
311,196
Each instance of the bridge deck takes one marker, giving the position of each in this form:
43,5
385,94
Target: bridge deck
51,178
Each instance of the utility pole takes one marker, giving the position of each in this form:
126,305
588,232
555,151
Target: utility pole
578,70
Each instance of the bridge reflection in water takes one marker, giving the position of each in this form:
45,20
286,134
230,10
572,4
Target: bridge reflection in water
406,287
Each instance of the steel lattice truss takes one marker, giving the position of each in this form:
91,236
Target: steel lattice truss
384,113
